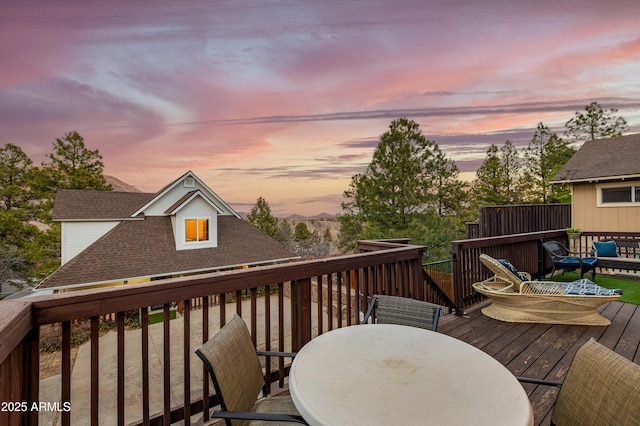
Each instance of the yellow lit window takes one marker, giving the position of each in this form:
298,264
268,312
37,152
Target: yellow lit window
196,230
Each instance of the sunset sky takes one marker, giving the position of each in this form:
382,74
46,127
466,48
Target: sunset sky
287,99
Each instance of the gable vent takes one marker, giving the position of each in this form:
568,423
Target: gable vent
189,183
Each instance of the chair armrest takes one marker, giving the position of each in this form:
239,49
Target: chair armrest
258,416
578,252
539,381
279,354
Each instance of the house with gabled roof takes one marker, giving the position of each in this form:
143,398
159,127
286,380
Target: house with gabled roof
116,238
604,176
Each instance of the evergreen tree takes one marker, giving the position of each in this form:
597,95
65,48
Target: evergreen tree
73,166
301,232
595,123
260,216
15,175
544,156
498,178
408,183
284,235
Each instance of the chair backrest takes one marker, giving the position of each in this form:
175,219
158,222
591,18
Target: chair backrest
555,250
234,366
405,311
601,388
501,271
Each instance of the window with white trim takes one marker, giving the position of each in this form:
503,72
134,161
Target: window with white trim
615,195
196,230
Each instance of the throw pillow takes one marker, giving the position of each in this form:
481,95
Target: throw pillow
513,269
606,248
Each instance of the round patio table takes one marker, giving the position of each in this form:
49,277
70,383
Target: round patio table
382,374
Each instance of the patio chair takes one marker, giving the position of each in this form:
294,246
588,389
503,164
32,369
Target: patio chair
403,311
566,260
518,299
601,388
234,367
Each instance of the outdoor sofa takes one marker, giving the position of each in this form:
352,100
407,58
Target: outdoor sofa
608,253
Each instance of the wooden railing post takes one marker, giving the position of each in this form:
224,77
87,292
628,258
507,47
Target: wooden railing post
300,313
458,296
18,357
418,290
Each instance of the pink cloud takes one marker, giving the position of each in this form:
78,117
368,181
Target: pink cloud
164,87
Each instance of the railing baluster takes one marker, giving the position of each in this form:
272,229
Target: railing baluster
239,302
186,322
144,325
339,303
167,365
205,375
223,312
32,373
254,314
347,286
120,328
267,333
357,290
330,300
319,304
95,377
66,370
281,342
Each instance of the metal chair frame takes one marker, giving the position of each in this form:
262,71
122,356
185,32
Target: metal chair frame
234,368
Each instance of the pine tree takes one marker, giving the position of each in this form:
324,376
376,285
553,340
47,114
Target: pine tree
260,216
595,123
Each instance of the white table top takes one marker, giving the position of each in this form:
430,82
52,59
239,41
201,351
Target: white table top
392,374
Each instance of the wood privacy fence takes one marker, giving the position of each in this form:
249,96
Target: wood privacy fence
495,221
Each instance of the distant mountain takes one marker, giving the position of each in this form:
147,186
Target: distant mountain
318,216
325,216
120,186
295,217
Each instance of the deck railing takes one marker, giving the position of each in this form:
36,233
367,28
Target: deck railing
524,251
150,374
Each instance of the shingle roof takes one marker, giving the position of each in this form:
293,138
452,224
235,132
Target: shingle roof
147,248
604,159
80,204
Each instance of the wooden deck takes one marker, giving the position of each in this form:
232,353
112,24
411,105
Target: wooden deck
545,351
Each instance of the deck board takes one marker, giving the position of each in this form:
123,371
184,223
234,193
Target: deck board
545,351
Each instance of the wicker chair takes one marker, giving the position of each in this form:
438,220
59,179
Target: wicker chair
566,260
520,300
601,388
235,370
403,311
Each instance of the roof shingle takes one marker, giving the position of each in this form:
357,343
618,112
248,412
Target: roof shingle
604,159
147,248
78,204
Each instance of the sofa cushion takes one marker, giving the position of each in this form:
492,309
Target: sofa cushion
573,262
585,287
606,248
